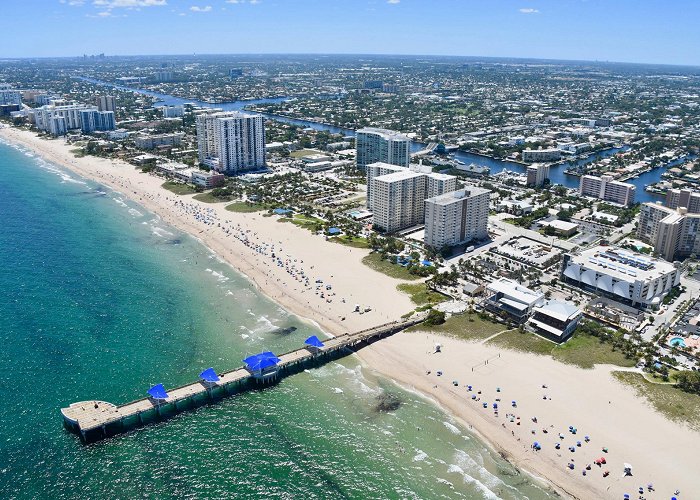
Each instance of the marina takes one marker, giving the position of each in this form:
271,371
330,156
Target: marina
94,420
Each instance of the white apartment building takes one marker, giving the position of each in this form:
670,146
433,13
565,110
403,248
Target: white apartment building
386,217
674,234
241,142
399,200
537,174
606,189
8,96
172,111
628,277
534,155
57,120
381,145
683,198
456,217
438,184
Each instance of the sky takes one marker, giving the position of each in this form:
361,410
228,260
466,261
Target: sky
652,31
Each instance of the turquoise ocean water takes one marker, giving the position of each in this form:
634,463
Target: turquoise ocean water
99,299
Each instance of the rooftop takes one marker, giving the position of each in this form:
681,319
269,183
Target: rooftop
621,264
384,133
515,291
447,198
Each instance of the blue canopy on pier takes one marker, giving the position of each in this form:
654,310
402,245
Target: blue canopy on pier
313,341
261,361
209,375
158,392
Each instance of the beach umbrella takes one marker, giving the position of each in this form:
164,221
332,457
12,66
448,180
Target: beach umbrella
513,404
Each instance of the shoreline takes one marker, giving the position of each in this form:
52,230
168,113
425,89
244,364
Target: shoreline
401,358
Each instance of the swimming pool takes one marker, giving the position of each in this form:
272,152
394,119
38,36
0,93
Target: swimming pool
677,341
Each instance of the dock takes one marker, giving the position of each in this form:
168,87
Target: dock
95,420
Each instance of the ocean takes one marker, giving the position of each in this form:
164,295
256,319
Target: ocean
101,299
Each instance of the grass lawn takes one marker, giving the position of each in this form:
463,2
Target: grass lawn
421,294
461,327
528,342
208,198
584,351
178,187
245,207
375,262
303,221
354,242
672,402
303,152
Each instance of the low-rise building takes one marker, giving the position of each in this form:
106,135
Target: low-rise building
153,141
173,111
561,228
555,319
628,277
535,155
510,297
207,180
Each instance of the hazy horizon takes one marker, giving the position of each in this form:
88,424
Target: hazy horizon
638,32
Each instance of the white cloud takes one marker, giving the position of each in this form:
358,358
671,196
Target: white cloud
529,11
129,4
393,2
195,8
255,2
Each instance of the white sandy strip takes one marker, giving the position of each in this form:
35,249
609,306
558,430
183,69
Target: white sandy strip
593,401
335,264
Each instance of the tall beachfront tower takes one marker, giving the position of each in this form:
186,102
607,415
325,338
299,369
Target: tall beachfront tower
241,142
231,141
381,145
457,217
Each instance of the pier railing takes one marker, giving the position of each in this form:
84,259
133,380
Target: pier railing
94,420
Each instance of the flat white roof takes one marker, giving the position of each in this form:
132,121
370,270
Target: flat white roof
622,264
561,225
515,291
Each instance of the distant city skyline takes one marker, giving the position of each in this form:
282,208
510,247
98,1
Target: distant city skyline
636,31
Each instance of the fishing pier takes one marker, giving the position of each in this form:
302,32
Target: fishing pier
95,420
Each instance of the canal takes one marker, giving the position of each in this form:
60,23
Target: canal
557,175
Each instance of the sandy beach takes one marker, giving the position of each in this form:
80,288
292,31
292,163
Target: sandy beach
247,242
593,401
661,452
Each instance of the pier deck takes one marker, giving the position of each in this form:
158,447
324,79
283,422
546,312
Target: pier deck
94,415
